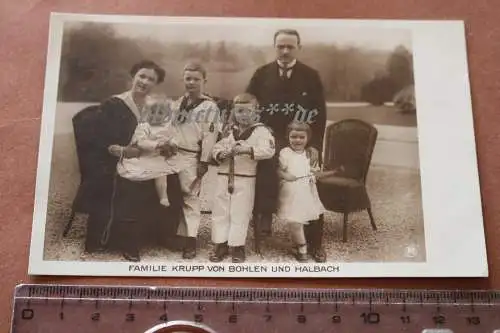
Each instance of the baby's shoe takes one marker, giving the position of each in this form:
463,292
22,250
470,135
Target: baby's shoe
165,202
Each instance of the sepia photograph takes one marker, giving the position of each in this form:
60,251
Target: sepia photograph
256,147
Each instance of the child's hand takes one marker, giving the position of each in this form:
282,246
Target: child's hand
323,174
167,149
289,177
317,175
161,142
173,146
224,155
241,150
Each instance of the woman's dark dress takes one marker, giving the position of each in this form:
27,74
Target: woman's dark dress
138,215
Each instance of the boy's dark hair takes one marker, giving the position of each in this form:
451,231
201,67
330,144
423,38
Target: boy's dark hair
149,64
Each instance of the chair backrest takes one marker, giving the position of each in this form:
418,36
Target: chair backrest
350,143
86,128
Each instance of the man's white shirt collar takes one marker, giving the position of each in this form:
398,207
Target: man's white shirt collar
290,65
281,65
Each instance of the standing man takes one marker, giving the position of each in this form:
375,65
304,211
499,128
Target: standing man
287,90
197,126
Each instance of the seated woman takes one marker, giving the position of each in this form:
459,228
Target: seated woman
123,210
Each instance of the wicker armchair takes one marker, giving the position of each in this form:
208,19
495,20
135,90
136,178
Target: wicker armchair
349,143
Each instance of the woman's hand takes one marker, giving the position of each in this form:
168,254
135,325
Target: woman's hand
126,152
115,150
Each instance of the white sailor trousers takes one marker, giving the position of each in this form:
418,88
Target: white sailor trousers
231,213
190,221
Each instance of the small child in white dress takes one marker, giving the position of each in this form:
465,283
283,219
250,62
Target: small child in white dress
154,131
299,201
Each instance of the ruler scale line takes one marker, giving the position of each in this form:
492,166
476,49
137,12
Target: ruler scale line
254,309
140,300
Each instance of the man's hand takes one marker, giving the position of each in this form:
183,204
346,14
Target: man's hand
201,169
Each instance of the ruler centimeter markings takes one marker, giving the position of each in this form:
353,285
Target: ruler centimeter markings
84,309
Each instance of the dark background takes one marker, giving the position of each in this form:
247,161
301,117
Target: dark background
23,36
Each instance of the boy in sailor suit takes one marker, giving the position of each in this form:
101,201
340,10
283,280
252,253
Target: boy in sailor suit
237,155
197,126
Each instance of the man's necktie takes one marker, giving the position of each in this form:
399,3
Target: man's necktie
285,72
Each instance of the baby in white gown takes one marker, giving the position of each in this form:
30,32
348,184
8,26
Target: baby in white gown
155,131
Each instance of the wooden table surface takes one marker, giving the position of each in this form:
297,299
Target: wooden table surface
23,45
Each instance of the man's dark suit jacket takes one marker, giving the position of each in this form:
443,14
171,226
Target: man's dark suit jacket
275,95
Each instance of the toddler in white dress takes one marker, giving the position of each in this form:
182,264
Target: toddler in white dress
154,131
299,201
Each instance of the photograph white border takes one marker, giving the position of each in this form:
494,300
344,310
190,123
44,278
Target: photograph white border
453,221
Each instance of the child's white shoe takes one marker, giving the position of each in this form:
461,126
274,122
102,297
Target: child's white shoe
165,202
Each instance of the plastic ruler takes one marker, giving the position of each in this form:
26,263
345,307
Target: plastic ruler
138,309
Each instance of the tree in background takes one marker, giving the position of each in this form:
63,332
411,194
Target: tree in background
206,52
95,64
344,70
400,67
397,76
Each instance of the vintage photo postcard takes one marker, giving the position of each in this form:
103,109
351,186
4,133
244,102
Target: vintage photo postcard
256,147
